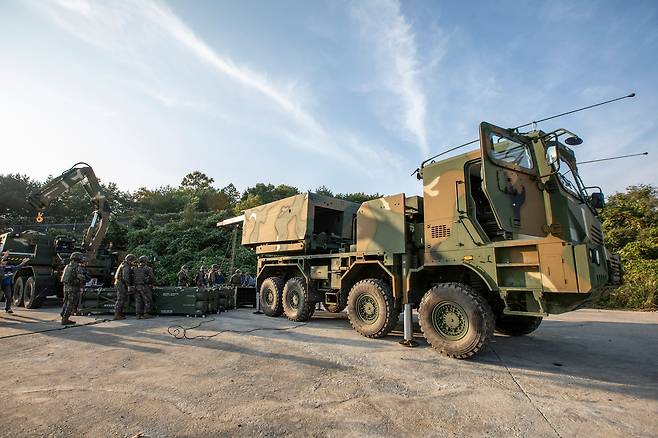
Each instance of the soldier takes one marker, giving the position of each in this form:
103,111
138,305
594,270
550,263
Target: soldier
73,279
5,281
143,278
200,279
123,281
237,279
183,277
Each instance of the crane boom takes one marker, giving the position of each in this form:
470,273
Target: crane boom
79,173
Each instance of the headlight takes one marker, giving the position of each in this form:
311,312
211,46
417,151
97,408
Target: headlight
595,256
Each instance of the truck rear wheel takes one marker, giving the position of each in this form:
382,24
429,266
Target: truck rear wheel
333,308
18,291
30,297
517,325
271,296
456,320
297,304
371,308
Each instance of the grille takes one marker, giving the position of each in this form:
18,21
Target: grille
439,231
596,235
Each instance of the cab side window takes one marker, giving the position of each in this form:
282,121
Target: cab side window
509,153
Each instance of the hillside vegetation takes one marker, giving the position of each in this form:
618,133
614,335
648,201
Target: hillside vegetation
176,225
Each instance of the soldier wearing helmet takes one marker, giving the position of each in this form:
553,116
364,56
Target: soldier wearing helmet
200,280
237,279
183,277
144,278
73,279
123,282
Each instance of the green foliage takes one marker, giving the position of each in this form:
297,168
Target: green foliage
171,225
14,189
263,193
630,221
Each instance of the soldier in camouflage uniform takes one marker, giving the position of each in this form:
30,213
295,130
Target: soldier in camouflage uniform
73,279
237,278
183,277
144,278
200,280
123,281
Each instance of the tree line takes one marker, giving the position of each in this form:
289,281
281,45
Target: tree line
176,225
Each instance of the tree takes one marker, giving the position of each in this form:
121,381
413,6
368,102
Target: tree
14,189
630,221
264,193
196,181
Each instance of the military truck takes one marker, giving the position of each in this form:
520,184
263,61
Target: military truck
502,237
40,277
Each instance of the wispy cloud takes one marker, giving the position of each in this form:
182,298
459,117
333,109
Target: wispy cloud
383,25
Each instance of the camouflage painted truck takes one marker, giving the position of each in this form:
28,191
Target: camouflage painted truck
502,237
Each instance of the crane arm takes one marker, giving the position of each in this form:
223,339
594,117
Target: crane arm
79,173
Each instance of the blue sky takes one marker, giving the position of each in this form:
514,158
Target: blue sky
351,95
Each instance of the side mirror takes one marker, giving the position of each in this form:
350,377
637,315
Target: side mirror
597,200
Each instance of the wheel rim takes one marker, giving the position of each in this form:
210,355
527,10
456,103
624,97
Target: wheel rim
450,320
293,300
269,297
367,308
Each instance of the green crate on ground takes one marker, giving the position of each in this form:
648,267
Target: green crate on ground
180,301
166,301
221,298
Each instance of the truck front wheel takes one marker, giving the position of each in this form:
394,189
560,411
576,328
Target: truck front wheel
297,304
371,308
456,320
517,325
18,291
271,296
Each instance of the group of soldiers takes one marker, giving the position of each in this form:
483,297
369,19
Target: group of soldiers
132,275
213,276
135,275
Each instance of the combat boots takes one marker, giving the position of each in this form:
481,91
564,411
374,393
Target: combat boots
118,317
66,321
147,316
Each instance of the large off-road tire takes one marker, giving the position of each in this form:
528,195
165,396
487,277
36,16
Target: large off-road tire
517,325
297,303
271,296
371,308
456,320
333,308
19,286
30,298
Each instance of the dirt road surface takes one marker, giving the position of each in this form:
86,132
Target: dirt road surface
588,373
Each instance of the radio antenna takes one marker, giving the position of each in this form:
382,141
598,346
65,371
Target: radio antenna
612,158
524,125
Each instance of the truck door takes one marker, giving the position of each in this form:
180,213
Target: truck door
509,180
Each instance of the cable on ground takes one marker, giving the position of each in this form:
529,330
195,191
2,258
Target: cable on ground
98,321
180,332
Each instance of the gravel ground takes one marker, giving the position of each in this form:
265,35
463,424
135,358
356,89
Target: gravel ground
589,372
